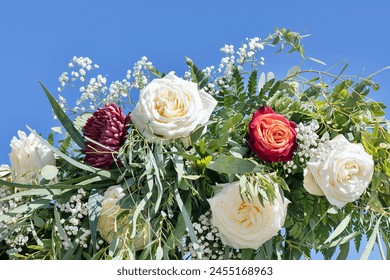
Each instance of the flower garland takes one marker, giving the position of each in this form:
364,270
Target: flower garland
223,163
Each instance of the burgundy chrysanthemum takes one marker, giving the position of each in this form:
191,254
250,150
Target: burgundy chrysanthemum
107,126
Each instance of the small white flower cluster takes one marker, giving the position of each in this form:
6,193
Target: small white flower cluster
17,240
80,67
141,67
248,52
308,147
209,72
117,90
20,235
226,65
96,92
96,87
209,241
4,205
77,210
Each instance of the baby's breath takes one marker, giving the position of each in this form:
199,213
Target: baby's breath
209,241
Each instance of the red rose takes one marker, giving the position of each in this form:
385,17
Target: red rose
272,136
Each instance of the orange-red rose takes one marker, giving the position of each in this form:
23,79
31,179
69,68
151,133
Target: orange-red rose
271,136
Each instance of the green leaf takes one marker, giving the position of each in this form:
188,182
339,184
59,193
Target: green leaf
246,254
159,252
60,229
80,121
197,134
341,72
371,241
317,60
293,71
233,165
188,222
387,243
180,225
340,241
38,221
252,83
379,242
340,228
39,192
28,207
238,81
344,250
64,119
197,75
137,211
49,172
101,172
94,206
59,186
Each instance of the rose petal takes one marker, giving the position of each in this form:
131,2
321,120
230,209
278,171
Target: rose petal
309,183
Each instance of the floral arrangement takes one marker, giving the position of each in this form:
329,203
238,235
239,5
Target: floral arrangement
224,163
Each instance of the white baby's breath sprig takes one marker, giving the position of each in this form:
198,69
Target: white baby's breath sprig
209,241
309,145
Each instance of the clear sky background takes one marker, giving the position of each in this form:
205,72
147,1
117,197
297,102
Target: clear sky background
38,38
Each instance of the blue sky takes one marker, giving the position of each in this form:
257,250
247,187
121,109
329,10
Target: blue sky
38,38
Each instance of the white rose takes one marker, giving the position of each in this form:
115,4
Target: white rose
110,225
28,156
171,108
244,224
341,174
5,170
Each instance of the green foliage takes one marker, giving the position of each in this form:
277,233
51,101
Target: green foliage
64,119
167,183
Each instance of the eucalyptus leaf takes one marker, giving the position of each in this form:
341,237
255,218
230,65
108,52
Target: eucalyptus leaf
60,229
188,222
293,71
371,241
232,165
49,172
94,207
317,60
339,229
137,211
159,252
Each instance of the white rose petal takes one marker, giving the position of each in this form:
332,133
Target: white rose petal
171,108
310,183
5,170
109,211
28,156
244,224
342,174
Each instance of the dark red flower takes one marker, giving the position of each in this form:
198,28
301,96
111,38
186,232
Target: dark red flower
107,126
271,136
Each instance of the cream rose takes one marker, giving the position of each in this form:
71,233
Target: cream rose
246,224
5,170
28,156
342,173
171,108
111,224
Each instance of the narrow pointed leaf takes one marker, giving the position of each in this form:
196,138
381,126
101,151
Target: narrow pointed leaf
64,119
339,229
188,223
371,241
